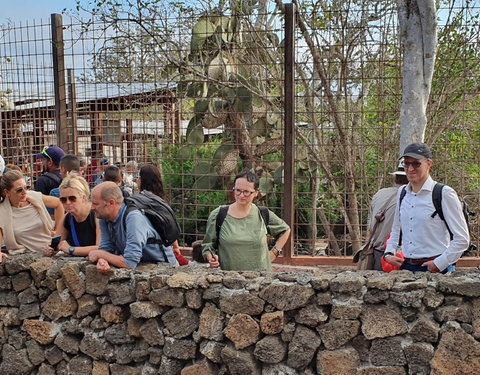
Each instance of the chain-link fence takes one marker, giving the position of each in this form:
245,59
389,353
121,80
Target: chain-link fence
205,93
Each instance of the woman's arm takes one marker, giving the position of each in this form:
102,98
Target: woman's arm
82,251
2,255
53,202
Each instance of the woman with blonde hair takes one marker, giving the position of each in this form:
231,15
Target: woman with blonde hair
80,229
24,221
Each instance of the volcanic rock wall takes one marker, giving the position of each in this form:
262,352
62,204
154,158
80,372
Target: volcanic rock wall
63,317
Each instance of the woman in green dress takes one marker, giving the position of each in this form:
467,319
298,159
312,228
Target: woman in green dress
242,239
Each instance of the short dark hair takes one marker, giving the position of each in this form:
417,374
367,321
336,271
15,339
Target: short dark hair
70,162
111,173
250,176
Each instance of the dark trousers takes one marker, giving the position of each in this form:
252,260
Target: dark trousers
414,268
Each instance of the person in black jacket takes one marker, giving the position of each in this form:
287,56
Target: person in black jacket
52,177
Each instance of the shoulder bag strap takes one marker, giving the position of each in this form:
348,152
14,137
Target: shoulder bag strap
73,232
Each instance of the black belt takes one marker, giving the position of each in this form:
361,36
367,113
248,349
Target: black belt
419,261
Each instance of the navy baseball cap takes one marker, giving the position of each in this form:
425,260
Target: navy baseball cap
417,151
54,153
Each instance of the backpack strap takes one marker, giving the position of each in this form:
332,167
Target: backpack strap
265,213
400,199
222,214
74,232
437,203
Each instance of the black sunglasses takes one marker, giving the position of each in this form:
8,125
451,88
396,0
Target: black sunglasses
71,198
20,189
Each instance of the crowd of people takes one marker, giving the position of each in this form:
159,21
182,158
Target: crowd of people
240,236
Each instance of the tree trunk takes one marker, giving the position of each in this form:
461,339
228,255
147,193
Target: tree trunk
418,33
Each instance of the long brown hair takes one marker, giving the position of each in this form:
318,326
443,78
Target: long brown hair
151,180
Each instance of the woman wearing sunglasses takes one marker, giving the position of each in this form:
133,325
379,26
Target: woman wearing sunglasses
241,243
24,221
80,229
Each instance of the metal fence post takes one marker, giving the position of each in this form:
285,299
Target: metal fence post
59,82
289,132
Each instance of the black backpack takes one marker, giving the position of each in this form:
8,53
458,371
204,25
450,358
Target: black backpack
222,214
158,212
437,203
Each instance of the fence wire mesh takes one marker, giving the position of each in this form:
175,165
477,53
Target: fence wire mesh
200,93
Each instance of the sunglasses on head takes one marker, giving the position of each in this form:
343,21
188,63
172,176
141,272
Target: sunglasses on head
20,189
71,198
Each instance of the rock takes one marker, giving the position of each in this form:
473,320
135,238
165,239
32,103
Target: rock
202,368
187,281
383,281
194,299
124,370
170,366
242,330
270,349
39,269
424,330
240,302
29,311
233,280
73,279
311,315
240,362
60,305
87,305
287,296
145,309
121,293
302,347
387,352
20,263
67,343
96,347
179,349
384,370
9,316
460,313
80,365
53,355
15,362
323,299
340,361
41,332
29,295
457,353
466,286
167,297
21,281
152,333
46,369
212,350
338,332
432,298
35,352
180,322
419,356
117,334
100,368
112,314
349,308
95,282
347,282
278,369
381,321
272,323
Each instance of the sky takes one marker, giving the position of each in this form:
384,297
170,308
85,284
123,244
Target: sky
29,10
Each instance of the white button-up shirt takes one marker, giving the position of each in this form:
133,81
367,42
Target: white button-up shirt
424,236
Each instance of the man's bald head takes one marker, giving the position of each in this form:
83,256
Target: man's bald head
109,190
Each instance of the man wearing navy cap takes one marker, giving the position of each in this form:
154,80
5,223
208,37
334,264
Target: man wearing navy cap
52,177
428,242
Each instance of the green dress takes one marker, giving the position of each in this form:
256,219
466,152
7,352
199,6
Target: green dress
243,242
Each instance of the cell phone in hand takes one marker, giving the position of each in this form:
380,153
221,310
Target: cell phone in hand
55,242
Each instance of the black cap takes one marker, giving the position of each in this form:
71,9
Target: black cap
417,151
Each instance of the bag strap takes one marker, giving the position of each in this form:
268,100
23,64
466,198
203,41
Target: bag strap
74,232
402,195
379,217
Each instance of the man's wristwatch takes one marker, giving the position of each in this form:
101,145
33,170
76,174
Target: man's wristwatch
385,255
71,249
276,251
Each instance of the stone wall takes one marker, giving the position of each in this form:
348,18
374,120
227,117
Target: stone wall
63,317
